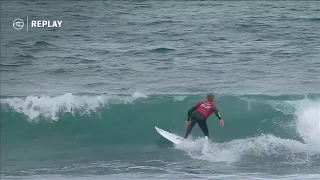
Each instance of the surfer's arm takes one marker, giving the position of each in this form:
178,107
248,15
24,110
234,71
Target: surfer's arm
192,109
216,112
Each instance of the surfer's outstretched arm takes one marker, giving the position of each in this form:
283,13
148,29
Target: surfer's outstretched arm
216,112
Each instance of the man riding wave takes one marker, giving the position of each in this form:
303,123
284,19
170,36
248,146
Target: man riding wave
199,114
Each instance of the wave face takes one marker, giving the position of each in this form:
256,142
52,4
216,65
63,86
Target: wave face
282,127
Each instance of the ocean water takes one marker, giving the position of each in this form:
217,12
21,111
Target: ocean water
81,101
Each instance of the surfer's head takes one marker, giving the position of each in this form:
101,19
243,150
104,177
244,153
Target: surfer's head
210,97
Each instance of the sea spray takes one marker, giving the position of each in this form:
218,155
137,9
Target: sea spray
308,122
50,108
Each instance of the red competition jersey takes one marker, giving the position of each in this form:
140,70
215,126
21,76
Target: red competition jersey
206,108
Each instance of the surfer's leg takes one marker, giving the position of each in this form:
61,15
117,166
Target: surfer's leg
204,128
189,129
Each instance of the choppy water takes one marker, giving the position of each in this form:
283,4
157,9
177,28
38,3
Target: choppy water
82,101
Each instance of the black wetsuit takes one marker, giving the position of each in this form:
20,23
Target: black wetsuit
197,116
201,120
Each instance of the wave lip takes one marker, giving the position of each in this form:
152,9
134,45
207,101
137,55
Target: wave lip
47,107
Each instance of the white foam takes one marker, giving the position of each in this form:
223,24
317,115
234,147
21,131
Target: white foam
179,98
308,122
139,95
264,145
50,107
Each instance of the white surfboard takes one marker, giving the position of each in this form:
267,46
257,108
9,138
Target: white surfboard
171,137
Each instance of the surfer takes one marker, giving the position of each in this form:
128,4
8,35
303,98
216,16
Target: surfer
199,114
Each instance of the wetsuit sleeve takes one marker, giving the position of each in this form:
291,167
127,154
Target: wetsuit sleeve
216,112
192,109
